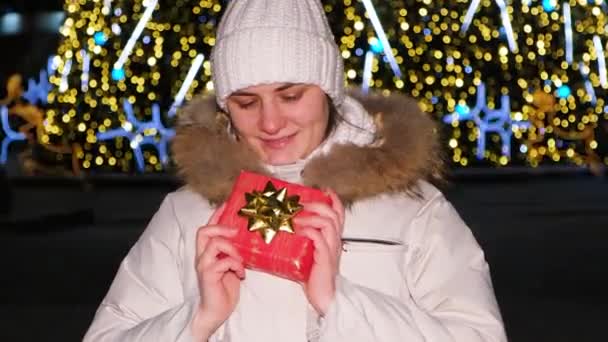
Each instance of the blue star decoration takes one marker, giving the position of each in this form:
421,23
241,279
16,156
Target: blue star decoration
493,121
140,133
38,92
10,135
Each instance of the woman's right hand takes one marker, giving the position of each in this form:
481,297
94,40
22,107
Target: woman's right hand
219,279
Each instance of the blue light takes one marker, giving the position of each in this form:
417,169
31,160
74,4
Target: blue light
386,46
359,52
450,60
549,5
376,46
427,32
462,113
563,91
136,134
468,69
10,135
492,121
146,40
118,74
523,148
100,38
11,23
434,100
462,109
38,91
367,71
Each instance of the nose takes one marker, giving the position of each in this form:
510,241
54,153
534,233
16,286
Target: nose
271,118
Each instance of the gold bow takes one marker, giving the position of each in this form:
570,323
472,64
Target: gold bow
270,211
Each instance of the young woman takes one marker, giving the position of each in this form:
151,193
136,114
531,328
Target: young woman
397,265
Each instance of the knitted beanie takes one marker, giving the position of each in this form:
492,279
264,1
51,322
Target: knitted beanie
275,41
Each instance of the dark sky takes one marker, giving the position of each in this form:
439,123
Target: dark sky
30,6
26,52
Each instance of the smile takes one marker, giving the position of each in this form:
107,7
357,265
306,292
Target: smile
278,143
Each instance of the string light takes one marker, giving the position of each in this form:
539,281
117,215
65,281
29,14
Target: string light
150,7
367,71
179,98
601,60
142,133
545,57
373,17
568,33
111,53
517,50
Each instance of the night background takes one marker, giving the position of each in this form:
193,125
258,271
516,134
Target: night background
89,92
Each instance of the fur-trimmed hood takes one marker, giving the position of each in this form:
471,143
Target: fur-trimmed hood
406,150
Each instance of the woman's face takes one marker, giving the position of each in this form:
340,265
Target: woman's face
282,122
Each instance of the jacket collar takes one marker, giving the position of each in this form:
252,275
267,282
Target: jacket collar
403,151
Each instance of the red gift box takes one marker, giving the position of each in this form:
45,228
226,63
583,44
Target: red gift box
287,255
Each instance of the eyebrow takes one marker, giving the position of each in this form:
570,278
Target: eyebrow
278,89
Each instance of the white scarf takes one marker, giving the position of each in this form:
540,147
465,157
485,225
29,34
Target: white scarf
357,127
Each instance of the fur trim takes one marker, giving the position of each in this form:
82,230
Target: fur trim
406,152
208,159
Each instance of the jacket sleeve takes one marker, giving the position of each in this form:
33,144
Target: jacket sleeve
145,301
451,296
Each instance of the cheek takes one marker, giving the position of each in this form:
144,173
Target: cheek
308,119
245,124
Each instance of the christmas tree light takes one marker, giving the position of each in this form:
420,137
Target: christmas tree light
514,82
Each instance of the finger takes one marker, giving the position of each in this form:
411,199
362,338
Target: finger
215,217
207,232
215,272
324,210
337,205
322,254
216,246
324,225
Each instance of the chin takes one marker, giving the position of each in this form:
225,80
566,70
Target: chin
281,157
280,160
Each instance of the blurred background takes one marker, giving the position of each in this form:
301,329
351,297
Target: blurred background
90,91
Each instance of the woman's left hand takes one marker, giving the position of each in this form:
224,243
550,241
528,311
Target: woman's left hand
325,230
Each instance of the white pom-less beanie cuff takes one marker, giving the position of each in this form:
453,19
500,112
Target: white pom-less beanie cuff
264,55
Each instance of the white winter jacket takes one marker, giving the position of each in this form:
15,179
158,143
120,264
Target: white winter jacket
411,270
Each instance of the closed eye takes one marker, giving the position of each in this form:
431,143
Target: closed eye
244,102
291,97
246,105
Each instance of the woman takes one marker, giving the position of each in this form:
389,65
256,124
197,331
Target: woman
398,265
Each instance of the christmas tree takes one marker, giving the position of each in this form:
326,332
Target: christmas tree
514,83
122,70
521,82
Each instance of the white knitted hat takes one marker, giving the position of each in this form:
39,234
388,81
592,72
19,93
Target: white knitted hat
269,41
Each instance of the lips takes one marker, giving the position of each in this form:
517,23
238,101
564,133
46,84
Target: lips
278,143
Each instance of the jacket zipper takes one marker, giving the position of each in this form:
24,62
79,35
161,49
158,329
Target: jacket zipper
345,242
376,241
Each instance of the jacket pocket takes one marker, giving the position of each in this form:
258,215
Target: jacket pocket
374,263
